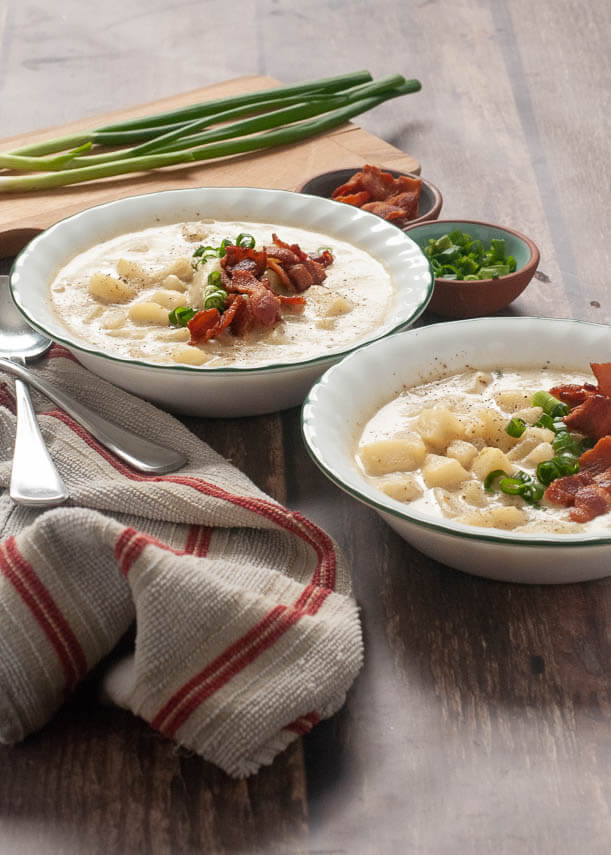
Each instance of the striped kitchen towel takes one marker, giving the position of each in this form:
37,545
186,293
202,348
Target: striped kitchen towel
246,630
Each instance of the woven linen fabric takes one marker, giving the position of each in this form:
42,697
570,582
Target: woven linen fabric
246,630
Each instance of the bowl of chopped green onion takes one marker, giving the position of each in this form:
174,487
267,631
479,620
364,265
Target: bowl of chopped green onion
479,268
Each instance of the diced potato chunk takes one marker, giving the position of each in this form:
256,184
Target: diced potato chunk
529,414
148,313
189,355
168,299
113,319
438,427
403,489
462,451
541,452
134,272
489,459
531,437
440,471
173,283
108,289
489,425
511,400
451,503
325,323
175,334
181,268
474,494
481,379
339,306
504,516
393,455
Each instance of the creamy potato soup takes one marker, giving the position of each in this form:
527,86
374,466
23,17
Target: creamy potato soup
434,446
118,296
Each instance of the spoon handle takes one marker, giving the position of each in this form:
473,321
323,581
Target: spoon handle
142,454
34,479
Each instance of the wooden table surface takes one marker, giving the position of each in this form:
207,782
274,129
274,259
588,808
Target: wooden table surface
480,722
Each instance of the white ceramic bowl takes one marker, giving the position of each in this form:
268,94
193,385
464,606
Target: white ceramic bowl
340,403
205,391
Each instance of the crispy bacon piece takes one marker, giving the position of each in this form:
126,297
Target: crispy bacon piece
602,372
592,417
294,247
282,255
264,304
300,276
356,199
201,323
325,258
588,492
242,258
280,272
386,210
243,319
572,394
598,458
394,199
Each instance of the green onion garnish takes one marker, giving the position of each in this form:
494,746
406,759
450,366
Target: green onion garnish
515,427
181,315
245,240
550,405
214,295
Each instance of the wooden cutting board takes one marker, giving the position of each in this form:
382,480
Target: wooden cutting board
23,215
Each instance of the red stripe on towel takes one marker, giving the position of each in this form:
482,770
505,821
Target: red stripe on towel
303,724
45,611
292,521
233,660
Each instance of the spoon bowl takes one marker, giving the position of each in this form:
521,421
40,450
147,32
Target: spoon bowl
34,479
17,339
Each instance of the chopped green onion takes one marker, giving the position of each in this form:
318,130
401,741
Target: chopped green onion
557,467
515,427
222,250
181,315
457,255
245,240
551,405
491,478
214,296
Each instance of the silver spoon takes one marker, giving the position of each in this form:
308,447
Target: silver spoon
34,479
142,454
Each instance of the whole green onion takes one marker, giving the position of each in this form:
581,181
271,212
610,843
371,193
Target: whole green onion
169,139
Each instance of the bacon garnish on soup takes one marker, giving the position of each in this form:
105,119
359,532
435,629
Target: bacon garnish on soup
588,492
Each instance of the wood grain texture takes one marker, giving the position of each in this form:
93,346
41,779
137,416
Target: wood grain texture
480,722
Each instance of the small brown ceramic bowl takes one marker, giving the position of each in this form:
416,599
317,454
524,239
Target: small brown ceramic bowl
457,298
323,184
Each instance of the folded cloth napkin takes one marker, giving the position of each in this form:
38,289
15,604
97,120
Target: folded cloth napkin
246,631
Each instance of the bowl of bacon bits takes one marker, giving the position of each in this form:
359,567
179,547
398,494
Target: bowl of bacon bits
401,198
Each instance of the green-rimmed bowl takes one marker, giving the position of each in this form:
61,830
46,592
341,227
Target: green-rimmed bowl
460,299
340,404
226,391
